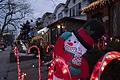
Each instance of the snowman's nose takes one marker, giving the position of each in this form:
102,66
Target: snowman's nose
70,43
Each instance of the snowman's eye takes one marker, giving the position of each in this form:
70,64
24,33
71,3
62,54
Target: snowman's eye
75,41
69,40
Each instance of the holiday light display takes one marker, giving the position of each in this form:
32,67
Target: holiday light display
20,75
96,4
34,46
102,63
64,68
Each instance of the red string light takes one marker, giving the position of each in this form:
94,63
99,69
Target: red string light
102,63
18,62
64,68
34,46
53,55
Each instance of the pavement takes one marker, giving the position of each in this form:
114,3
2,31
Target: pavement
8,70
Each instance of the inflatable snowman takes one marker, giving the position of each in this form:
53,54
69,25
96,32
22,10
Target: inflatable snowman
72,46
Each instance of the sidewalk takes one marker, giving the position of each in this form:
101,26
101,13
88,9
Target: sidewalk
30,68
8,71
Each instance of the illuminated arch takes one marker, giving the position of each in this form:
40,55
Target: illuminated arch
102,63
64,69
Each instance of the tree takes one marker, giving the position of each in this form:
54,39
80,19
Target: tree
39,23
12,12
25,29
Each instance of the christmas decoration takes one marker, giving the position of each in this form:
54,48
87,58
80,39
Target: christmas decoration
20,75
47,50
64,69
97,4
34,46
102,63
72,47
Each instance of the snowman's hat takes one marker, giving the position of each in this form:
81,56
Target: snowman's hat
90,33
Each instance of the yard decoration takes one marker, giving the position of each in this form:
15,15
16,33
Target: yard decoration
72,48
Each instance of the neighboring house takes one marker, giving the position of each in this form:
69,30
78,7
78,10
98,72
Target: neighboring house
72,8
58,12
62,25
47,19
66,17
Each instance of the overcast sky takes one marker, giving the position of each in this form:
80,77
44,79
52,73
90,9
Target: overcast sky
42,6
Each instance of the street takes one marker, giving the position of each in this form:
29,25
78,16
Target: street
8,71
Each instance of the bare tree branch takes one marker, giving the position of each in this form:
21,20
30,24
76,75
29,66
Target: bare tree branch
12,11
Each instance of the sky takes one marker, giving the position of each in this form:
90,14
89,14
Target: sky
42,6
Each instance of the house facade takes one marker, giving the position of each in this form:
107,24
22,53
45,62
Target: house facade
66,17
47,19
74,6
106,11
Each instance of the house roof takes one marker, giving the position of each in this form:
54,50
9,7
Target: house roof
97,5
58,6
66,19
67,2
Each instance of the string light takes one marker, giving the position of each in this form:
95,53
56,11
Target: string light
94,5
64,68
34,46
53,55
102,63
20,75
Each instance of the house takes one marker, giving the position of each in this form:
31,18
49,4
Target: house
47,19
66,17
107,11
62,25
72,8
58,12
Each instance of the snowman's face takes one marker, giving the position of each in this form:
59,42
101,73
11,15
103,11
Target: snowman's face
73,46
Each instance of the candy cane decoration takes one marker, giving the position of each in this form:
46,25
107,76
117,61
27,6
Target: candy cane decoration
64,68
34,46
102,63
20,77
53,55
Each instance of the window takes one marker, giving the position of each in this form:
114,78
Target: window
78,7
70,12
60,15
73,11
74,1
